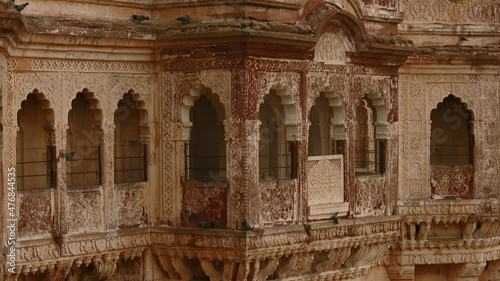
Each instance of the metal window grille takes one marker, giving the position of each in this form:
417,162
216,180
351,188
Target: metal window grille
36,169
84,167
451,154
370,156
280,166
131,163
205,168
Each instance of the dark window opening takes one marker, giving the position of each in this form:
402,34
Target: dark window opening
205,152
130,154
35,153
452,140
278,156
84,138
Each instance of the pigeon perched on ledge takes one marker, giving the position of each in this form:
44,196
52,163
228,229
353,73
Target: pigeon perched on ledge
246,225
184,19
334,218
19,8
139,18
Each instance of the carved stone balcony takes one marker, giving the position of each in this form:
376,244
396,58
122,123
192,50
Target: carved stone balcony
341,251
449,231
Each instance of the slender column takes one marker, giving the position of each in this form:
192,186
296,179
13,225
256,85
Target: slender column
61,191
241,150
148,265
107,175
242,141
172,169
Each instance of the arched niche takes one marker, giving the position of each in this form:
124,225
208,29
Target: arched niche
35,153
451,133
288,114
452,149
329,107
84,141
203,116
131,137
278,136
189,101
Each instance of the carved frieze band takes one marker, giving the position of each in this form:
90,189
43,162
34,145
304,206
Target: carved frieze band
443,11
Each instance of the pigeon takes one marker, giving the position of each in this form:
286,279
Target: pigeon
334,218
246,225
70,155
139,18
19,8
184,19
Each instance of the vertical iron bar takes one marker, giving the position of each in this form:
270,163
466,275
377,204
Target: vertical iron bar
99,164
145,163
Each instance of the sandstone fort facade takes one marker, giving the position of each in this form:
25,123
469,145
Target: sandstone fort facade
250,140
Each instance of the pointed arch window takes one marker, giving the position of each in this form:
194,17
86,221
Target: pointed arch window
35,153
452,140
278,150
84,139
205,147
131,135
452,150
327,132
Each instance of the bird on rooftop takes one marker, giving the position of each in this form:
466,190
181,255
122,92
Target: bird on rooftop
139,18
184,19
246,225
19,8
70,155
334,218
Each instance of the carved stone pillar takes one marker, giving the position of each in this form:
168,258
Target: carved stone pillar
61,191
172,169
243,172
401,272
107,175
148,265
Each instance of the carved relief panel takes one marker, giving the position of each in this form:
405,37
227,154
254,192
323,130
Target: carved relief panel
325,186
444,11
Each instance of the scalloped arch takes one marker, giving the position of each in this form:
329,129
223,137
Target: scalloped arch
139,103
290,110
188,102
45,102
460,100
94,104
